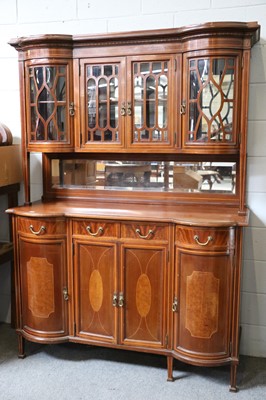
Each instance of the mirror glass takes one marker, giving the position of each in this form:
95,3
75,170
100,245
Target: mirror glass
157,176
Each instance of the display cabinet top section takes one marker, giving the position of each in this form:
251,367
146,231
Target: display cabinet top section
247,33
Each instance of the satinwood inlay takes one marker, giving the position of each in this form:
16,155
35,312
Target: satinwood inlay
202,304
40,277
96,290
143,295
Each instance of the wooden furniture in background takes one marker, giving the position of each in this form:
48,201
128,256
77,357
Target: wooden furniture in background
6,248
137,262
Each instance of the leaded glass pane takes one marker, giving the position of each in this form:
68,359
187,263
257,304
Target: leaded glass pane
61,89
150,107
211,99
47,85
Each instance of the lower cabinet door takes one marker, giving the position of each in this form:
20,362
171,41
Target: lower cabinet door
43,286
202,305
96,294
143,296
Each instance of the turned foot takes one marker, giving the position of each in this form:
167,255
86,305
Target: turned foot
233,387
170,369
21,347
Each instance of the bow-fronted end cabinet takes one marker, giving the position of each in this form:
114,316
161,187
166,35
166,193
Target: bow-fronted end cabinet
136,243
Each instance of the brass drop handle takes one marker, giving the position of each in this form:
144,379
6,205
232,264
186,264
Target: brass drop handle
175,305
129,108
203,243
150,233
114,300
99,231
121,299
65,294
123,109
42,229
71,109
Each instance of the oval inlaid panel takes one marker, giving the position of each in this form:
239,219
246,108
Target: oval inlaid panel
143,295
96,290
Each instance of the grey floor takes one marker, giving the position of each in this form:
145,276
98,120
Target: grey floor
77,372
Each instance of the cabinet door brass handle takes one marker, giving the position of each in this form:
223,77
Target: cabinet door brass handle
150,233
42,229
65,294
121,300
99,231
129,108
183,107
114,300
123,109
175,305
201,243
71,109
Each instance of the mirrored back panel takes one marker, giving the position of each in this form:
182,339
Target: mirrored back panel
154,176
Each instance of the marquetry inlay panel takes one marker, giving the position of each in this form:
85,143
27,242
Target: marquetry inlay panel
143,278
40,278
94,273
143,295
202,304
96,290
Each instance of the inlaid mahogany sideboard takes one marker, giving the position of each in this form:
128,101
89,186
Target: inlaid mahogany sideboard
131,246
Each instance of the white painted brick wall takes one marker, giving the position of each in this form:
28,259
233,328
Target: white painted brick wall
31,17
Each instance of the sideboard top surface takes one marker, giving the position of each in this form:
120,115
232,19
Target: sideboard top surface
195,215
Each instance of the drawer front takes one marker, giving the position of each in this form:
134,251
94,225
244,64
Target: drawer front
144,231
42,226
204,238
95,229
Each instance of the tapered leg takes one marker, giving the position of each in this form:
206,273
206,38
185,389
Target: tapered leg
233,387
21,347
170,369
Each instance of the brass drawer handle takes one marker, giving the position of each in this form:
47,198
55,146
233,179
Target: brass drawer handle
99,231
150,233
205,243
42,229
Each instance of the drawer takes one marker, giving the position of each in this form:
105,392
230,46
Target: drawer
144,231
95,228
41,226
204,238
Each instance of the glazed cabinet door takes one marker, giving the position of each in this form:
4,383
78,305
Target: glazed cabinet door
95,277
49,108
142,296
203,294
210,103
102,96
126,102
42,278
150,115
